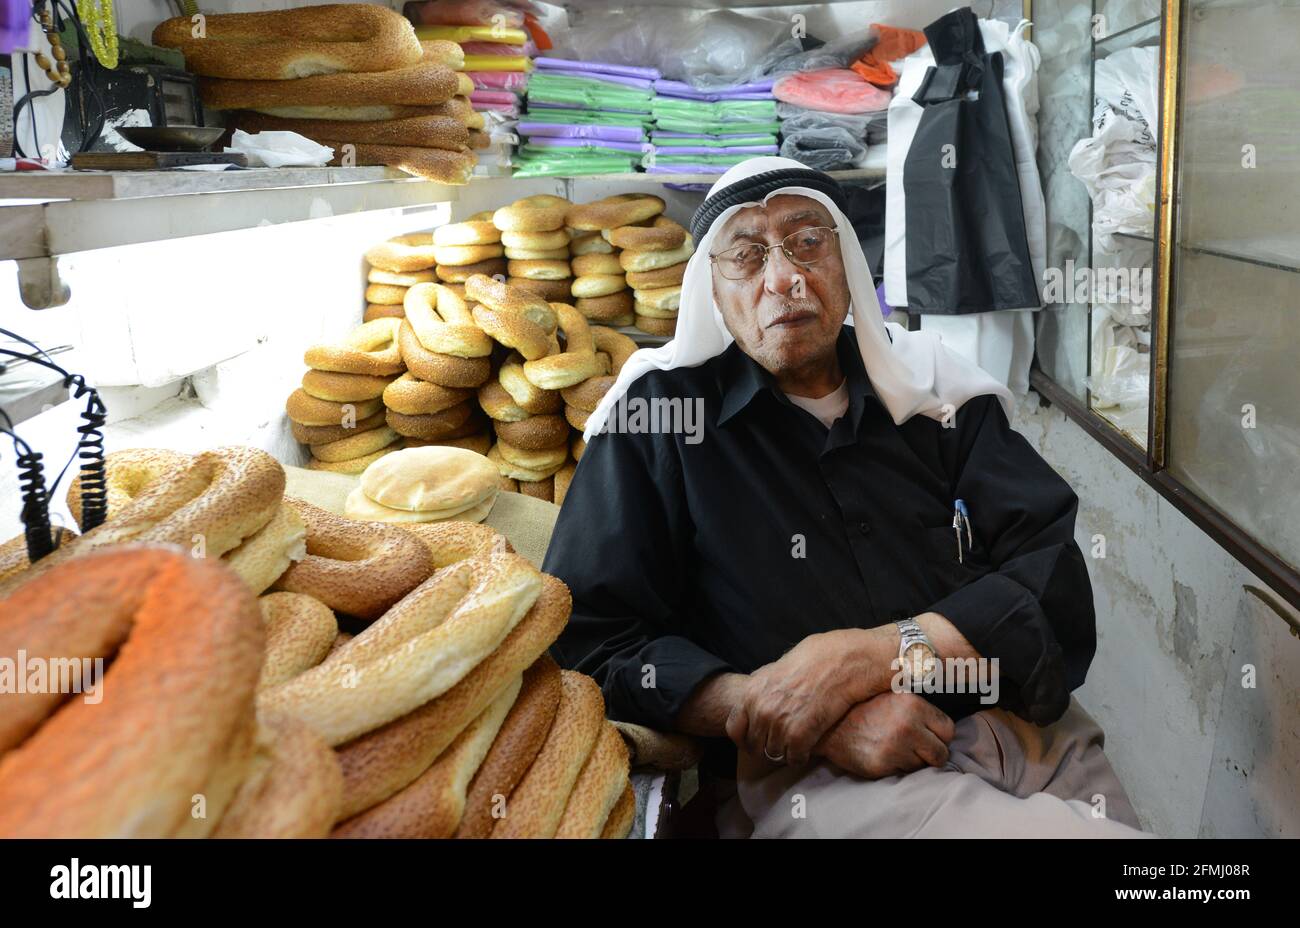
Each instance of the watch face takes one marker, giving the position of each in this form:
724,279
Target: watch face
918,662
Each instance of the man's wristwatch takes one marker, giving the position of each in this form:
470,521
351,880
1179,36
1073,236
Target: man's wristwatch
916,654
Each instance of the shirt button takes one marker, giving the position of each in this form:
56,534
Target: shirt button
864,528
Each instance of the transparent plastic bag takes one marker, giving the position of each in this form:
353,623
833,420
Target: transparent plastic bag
822,149
707,49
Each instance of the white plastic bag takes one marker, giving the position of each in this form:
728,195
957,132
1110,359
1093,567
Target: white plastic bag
280,149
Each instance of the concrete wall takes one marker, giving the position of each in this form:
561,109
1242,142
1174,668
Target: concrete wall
1200,749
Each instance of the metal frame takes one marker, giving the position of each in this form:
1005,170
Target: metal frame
1151,465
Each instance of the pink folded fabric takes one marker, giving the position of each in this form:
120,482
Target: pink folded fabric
494,96
831,90
499,80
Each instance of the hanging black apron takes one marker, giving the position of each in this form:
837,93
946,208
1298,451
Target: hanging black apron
967,250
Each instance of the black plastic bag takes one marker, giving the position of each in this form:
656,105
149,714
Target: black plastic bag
967,249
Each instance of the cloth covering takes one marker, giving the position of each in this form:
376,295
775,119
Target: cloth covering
911,372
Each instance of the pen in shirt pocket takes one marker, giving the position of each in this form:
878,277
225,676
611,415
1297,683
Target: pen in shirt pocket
960,521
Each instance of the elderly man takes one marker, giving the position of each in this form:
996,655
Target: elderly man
849,515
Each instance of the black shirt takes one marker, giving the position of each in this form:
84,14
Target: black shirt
682,552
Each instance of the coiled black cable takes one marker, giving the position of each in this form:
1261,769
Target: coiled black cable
36,502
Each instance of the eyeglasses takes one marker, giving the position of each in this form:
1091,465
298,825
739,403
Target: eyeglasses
805,247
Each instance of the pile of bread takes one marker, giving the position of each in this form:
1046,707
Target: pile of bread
231,711
352,76
462,342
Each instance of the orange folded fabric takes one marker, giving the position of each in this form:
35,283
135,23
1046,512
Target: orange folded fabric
894,43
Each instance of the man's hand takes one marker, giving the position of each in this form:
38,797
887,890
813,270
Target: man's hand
787,706
889,734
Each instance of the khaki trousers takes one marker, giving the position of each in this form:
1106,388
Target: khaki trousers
1005,777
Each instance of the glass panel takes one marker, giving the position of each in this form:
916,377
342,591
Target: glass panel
1234,401
1062,33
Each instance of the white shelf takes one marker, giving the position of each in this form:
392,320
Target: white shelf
44,215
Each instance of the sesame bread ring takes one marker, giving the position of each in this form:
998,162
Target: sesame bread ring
457,255
395,279
413,397
544,459
320,434
459,273
529,217
654,326
606,309
496,295
598,285
383,311
443,369
268,552
663,235
299,633
670,276
654,312
537,804
651,260
576,417
467,233
516,745
544,200
451,541
443,323
508,484
404,253
371,348
465,612
539,489
622,817
344,388
513,330
182,639
589,243
478,442
537,254
435,164
354,446
578,446
532,399
431,426
445,132
499,404
590,264
353,466
618,348
576,363
563,477
385,294
615,211
127,474
549,290
598,787
536,433
661,298
514,471
535,241
305,409
355,568
554,269
298,43
383,761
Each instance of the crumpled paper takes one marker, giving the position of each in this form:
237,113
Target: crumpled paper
279,149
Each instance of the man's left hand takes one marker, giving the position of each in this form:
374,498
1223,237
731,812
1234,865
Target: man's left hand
788,705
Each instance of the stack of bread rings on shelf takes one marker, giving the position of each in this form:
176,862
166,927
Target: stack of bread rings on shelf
622,243
463,249
352,76
396,266
536,245
368,680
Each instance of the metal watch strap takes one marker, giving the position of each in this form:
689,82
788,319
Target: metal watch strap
910,633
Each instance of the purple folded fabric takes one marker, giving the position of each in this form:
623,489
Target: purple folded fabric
549,142
577,131
689,169
539,105
603,67
735,92
640,83
730,150
718,97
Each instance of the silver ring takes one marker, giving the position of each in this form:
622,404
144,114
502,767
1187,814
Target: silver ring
775,760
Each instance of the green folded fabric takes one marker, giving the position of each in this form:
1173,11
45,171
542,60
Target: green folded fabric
589,118
720,111
581,91
591,147
674,124
594,164
662,160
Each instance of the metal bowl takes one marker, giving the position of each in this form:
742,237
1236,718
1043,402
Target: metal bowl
171,138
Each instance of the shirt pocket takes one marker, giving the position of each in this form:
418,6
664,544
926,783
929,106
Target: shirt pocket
946,571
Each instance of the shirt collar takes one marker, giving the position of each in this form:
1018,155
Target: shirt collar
741,378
